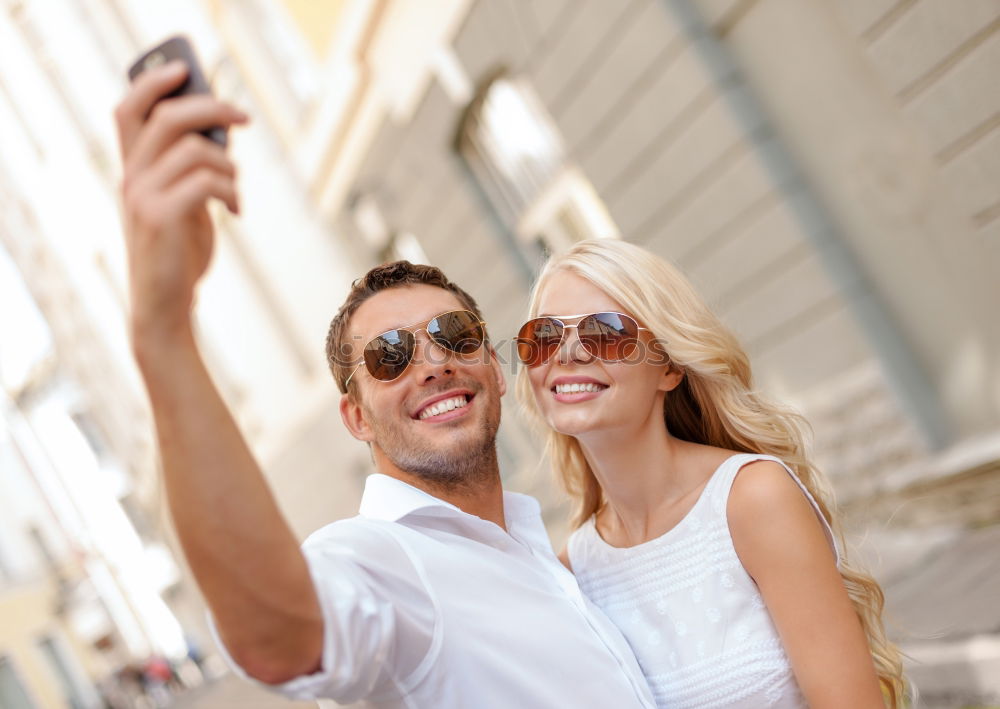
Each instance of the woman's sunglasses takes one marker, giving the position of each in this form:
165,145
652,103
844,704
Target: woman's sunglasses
610,337
388,355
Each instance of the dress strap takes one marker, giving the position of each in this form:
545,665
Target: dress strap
723,484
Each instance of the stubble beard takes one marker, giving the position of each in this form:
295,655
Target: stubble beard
468,461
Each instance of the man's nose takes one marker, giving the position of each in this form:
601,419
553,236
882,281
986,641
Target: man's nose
430,359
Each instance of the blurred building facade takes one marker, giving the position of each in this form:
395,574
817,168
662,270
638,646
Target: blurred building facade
826,171
827,174
838,209
89,587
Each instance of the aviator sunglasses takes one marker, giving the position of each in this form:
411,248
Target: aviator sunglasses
388,355
610,337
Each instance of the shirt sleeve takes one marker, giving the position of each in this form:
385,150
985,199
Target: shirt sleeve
379,617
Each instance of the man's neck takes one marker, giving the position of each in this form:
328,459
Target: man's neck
482,497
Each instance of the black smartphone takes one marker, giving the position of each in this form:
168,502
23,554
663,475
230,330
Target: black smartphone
179,48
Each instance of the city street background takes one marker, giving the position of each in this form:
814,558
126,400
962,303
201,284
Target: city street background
827,172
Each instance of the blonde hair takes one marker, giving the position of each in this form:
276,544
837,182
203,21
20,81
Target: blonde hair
715,405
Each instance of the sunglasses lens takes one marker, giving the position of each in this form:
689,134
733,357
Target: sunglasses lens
459,331
538,340
389,354
609,336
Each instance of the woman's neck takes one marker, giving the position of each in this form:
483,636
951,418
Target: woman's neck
646,474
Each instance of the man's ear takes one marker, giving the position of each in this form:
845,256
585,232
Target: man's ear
671,378
353,416
498,371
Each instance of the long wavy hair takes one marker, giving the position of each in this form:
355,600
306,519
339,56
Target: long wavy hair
714,405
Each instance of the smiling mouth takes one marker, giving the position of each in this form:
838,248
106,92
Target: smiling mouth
578,388
439,408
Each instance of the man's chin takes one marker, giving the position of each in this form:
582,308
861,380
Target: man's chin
452,446
455,455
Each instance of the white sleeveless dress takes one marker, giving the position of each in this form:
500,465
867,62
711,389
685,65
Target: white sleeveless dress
688,608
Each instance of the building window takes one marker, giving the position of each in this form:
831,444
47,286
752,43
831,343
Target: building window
13,694
385,243
405,245
71,682
516,154
283,45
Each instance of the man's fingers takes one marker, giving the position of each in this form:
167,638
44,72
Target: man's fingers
171,119
193,190
189,153
153,208
148,88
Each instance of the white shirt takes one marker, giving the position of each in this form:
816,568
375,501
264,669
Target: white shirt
427,606
690,611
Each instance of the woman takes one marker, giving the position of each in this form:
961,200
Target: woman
703,530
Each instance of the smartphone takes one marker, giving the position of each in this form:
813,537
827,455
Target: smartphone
179,48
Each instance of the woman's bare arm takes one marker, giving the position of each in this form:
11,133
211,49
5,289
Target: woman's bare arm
782,545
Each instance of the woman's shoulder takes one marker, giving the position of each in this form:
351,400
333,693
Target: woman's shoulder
768,509
759,480
764,486
721,466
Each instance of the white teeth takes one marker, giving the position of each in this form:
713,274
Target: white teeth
444,406
576,388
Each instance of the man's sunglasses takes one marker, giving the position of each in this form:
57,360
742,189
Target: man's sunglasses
610,337
388,355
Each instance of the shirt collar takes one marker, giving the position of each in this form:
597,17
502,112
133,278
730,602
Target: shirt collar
390,499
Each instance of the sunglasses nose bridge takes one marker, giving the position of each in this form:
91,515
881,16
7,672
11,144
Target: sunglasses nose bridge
421,340
571,347
428,352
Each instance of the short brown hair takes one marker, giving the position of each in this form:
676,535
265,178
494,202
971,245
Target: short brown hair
380,278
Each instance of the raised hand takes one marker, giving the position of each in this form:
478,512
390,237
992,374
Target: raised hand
237,543
170,173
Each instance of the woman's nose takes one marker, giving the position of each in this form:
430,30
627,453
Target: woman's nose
571,349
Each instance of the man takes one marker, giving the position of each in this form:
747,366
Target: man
444,591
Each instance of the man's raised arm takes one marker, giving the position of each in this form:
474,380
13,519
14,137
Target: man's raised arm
241,550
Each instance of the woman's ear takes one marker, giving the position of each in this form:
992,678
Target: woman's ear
671,378
353,416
